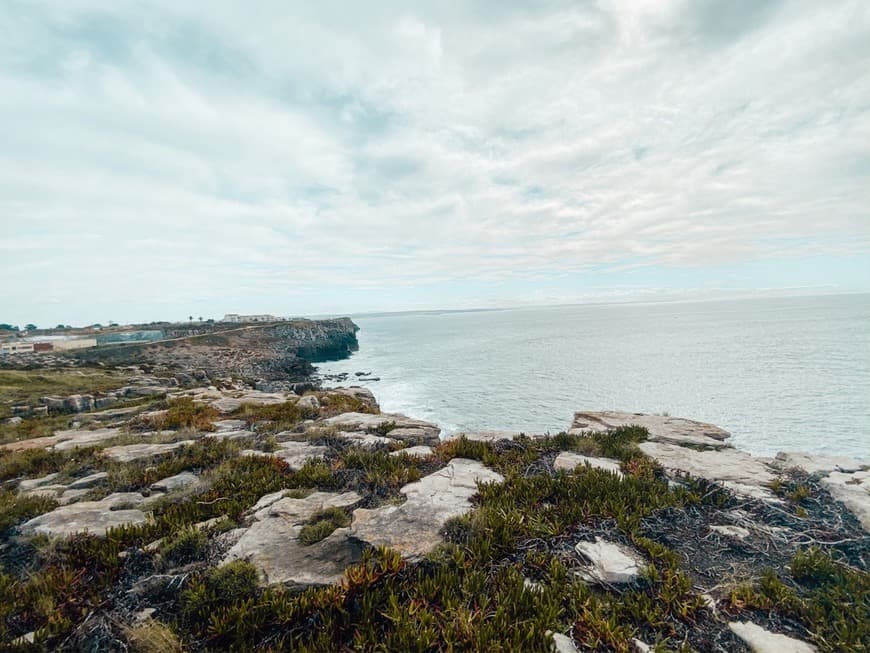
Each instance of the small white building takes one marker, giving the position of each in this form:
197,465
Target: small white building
242,319
16,348
74,343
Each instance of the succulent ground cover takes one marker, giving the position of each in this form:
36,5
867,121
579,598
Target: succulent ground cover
503,580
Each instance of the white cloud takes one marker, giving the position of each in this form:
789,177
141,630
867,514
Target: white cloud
218,150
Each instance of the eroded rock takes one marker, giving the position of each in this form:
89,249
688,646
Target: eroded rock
404,428
420,451
95,517
662,428
853,490
608,563
129,452
568,461
272,543
413,528
764,641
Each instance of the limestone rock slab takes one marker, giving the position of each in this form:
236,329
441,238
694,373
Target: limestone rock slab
129,452
609,563
272,543
761,640
95,517
815,463
413,528
568,461
420,451
662,428
737,470
853,490
406,429
176,482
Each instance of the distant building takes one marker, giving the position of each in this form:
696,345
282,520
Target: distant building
40,347
16,348
74,343
240,319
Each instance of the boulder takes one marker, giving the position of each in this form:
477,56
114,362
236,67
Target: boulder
761,640
568,461
95,517
309,403
32,483
662,428
413,528
272,543
608,563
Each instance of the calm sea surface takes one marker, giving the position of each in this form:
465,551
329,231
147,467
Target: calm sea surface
780,374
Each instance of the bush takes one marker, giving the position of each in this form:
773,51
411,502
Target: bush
322,524
188,545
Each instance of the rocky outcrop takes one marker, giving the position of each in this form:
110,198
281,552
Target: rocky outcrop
568,461
413,528
393,425
272,543
662,428
275,351
608,563
94,517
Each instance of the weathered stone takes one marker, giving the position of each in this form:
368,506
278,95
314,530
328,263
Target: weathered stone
736,470
493,436
365,440
406,429
563,644
176,482
815,463
45,491
295,454
764,641
64,440
92,480
853,490
14,421
413,528
231,425
609,563
233,400
129,452
32,483
568,461
662,428
71,496
272,543
309,403
737,532
95,517
420,451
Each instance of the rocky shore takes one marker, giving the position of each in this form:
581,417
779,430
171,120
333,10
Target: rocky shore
231,517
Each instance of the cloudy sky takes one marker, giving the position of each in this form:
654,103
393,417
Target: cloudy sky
166,158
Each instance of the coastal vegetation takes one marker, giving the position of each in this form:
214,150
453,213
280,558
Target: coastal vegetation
506,576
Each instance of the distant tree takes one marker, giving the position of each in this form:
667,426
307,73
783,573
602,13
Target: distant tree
200,318
209,321
30,327
8,327
190,318
60,326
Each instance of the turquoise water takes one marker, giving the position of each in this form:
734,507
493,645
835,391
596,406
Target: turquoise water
780,374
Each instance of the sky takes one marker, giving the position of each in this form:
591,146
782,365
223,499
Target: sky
166,159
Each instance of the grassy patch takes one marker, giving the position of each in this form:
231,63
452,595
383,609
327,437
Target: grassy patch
322,524
184,413
273,418
15,509
152,637
185,546
27,386
830,599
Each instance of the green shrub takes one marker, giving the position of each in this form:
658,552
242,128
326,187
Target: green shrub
16,509
187,545
322,524
184,413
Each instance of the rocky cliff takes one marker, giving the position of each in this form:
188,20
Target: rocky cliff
281,351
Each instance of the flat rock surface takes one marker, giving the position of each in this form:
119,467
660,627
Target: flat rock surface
89,481
662,428
413,527
815,463
176,482
295,454
129,452
420,451
405,428
272,543
95,517
737,470
764,641
233,400
568,461
365,440
609,563
64,440
493,436
853,490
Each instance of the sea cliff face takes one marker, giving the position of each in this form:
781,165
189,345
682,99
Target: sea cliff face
279,351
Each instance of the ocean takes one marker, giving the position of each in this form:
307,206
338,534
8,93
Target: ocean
778,373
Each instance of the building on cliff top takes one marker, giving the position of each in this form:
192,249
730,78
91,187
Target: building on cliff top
240,319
